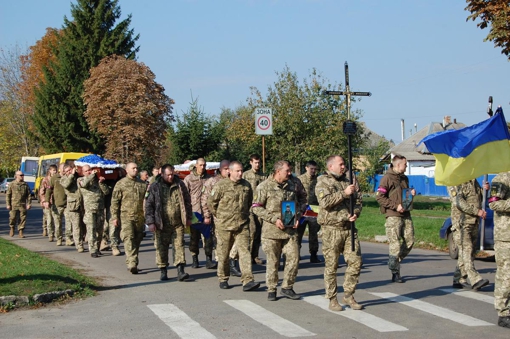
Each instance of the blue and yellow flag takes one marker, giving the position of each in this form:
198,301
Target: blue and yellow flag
470,152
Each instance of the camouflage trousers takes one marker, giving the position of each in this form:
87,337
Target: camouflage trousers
273,248
94,222
73,219
47,221
502,283
400,233
57,214
17,215
131,233
313,230
195,239
225,241
255,230
111,233
336,241
464,237
163,238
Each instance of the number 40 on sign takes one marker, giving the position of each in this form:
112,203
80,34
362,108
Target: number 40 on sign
264,121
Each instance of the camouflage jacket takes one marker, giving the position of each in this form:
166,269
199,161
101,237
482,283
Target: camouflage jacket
230,203
500,203
92,192
154,208
18,194
70,185
55,193
194,183
127,199
309,184
466,201
206,191
389,193
267,205
254,178
334,204
45,184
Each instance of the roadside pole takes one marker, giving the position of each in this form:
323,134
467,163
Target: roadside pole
263,127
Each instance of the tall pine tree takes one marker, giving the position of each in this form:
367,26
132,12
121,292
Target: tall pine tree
92,35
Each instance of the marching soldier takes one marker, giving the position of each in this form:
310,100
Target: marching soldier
500,203
56,195
230,202
333,191
466,210
48,225
276,238
18,201
127,213
69,182
167,212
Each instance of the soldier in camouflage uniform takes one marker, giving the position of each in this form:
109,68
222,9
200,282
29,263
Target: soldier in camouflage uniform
167,212
309,181
276,238
93,191
254,177
208,217
74,206
48,226
333,192
466,210
399,225
56,195
18,201
230,202
500,203
127,213
194,183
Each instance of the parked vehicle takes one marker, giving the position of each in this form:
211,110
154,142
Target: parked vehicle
5,184
29,168
488,244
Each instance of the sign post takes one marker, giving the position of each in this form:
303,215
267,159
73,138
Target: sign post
349,128
264,126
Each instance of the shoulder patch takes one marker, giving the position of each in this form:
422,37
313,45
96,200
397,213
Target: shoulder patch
321,193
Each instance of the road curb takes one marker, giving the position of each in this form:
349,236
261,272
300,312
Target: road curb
37,298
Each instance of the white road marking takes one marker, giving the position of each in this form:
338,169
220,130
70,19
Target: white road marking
361,316
269,319
433,309
470,294
180,322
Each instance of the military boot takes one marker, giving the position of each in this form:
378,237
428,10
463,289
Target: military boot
195,264
11,232
69,242
163,276
59,242
395,277
210,264
21,234
115,251
181,275
349,300
314,259
44,232
233,268
504,321
334,305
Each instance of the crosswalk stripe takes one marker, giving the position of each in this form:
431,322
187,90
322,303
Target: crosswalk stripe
362,317
469,294
433,309
269,319
179,322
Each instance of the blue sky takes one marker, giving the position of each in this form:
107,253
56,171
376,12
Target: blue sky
420,58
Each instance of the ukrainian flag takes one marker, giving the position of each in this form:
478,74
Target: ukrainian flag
470,152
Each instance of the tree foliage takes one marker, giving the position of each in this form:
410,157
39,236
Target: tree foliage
128,108
495,15
194,136
369,164
307,124
91,35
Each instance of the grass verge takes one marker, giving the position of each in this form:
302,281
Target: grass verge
24,273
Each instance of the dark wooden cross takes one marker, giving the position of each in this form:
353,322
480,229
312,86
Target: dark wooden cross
349,128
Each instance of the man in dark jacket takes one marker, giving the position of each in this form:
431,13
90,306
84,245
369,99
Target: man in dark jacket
167,212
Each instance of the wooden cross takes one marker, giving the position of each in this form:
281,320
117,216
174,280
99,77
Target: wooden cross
349,129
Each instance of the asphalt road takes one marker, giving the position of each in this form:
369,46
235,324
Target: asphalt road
140,306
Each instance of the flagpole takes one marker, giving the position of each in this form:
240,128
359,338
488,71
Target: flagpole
484,191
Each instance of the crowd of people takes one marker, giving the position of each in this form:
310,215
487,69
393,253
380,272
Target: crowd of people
236,212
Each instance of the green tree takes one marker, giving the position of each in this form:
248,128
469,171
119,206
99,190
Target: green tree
90,36
369,164
307,124
194,135
495,15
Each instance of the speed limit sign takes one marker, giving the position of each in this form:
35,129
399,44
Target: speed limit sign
264,121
